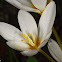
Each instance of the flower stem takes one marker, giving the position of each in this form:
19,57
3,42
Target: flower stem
46,55
57,38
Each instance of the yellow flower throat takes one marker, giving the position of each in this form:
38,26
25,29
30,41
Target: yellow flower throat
33,43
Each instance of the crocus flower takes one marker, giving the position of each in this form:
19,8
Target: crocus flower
30,5
55,50
30,39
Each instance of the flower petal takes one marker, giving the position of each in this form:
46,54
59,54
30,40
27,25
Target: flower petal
47,20
27,23
43,42
30,52
18,45
9,32
55,50
19,5
25,2
40,4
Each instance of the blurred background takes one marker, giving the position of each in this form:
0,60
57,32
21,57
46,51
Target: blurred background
8,14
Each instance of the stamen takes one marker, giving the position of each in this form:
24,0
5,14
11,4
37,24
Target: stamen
21,40
25,36
28,34
33,43
38,42
33,38
29,41
32,48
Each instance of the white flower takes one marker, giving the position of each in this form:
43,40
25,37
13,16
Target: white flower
31,39
30,5
55,50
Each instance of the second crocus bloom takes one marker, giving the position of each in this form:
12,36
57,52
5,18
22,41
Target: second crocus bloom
30,5
30,39
55,50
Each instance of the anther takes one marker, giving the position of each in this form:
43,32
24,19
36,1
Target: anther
28,34
21,40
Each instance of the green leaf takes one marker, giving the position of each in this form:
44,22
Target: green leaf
32,59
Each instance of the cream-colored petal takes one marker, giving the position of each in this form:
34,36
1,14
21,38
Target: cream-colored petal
25,2
55,50
40,4
30,52
27,23
9,32
14,3
47,20
19,5
28,6
43,42
18,45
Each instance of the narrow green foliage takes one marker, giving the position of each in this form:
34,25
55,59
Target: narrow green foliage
32,59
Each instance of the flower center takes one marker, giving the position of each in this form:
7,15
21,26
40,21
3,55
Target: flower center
31,41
